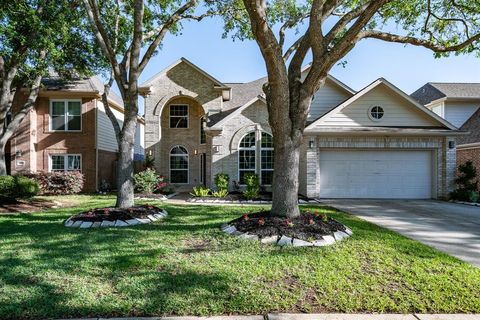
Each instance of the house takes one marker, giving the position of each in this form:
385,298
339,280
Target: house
374,143
458,103
68,129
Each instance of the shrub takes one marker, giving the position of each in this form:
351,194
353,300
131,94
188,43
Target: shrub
56,183
252,186
146,181
18,187
222,193
221,181
466,183
164,186
200,191
26,187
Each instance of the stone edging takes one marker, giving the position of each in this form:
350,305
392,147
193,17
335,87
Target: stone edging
165,197
287,241
473,204
204,200
116,223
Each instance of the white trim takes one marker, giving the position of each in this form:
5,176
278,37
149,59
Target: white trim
219,125
373,85
65,104
468,146
170,115
65,161
170,165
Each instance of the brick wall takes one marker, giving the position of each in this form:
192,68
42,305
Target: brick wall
37,142
469,154
107,167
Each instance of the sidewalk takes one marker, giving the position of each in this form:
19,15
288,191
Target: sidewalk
324,316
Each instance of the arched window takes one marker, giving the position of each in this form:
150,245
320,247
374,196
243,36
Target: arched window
255,155
266,160
178,165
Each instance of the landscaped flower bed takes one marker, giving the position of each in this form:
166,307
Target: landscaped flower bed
309,229
116,217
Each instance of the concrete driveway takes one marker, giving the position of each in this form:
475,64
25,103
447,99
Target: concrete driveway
449,227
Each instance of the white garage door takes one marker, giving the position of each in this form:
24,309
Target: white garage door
375,174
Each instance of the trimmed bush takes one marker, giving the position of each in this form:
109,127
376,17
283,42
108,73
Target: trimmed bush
17,187
221,181
146,181
58,183
252,186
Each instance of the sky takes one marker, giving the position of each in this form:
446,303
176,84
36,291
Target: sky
407,67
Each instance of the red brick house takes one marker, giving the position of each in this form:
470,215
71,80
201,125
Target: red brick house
69,130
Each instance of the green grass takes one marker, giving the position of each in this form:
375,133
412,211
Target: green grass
185,265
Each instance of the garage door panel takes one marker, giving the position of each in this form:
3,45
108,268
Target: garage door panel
375,174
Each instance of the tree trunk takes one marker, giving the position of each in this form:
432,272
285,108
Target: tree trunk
125,186
285,177
3,165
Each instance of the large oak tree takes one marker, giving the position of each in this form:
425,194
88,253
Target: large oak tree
129,33
36,37
332,29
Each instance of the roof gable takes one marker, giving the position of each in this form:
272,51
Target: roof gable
400,110
219,120
185,61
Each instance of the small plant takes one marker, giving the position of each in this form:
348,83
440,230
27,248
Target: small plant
311,221
104,187
146,181
222,193
246,217
106,211
222,181
323,216
164,186
289,223
200,191
252,186
467,184
261,222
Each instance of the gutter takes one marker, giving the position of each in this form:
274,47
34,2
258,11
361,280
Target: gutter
96,144
467,146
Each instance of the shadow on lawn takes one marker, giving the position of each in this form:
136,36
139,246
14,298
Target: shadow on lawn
51,252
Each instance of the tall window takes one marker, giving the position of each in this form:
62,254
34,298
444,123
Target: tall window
178,165
66,115
203,135
266,160
255,155
246,156
65,162
178,116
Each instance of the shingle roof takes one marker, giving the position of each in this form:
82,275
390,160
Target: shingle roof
93,84
244,92
436,90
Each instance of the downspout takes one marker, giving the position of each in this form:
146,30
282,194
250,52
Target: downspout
96,144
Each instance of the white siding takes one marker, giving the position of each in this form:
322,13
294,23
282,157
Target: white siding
106,135
398,112
328,97
457,113
439,109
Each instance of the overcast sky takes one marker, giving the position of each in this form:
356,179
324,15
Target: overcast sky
236,61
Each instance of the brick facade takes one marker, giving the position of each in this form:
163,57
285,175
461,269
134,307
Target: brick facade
469,154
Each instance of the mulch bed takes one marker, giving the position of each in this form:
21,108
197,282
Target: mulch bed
306,227
112,214
30,206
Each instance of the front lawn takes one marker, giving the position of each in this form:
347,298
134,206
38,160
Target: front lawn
185,265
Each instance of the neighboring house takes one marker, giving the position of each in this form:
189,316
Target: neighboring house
69,130
374,143
458,103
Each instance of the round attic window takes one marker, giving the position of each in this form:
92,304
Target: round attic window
376,113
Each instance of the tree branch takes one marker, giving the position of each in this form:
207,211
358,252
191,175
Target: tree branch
174,18
385,36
